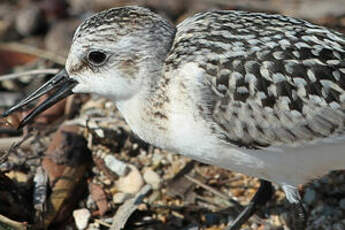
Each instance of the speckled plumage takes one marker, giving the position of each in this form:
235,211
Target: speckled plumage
245,91
270,79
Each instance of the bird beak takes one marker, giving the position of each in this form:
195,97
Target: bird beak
63,85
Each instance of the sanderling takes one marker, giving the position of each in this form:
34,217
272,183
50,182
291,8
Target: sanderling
255,93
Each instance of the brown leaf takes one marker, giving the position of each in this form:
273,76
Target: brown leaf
99,162
182,187
9,59
67,160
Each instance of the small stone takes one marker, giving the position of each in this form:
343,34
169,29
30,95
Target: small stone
157,158
18,176
131,183
81,218
121,197
152,178
309,196
108,220
94,126
118,167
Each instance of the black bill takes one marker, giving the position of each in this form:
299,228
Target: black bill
63,85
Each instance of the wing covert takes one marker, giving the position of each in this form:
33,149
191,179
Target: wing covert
270,79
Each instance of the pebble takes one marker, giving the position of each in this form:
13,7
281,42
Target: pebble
18,176
152,178
81,218
131,183
94,126
115,165
157,158
121,197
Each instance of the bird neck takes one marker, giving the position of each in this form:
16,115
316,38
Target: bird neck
144,111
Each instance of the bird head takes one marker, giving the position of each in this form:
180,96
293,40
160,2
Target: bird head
114,53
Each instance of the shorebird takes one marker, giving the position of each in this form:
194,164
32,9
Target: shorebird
256,93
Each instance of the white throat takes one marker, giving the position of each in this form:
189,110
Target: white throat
138,113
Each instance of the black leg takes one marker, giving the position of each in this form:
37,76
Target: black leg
264,194
300,216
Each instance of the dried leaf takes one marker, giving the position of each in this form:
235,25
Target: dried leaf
9,59
67,161
182,187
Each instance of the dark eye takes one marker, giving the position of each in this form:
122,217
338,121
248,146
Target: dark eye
97,57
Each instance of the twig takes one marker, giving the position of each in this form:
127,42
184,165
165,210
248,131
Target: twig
83,122
238,207
17,47
212,190
31,72
215,192
102,223
8,143
11,224
126,210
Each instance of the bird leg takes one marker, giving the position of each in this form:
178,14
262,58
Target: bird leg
264,194
300,216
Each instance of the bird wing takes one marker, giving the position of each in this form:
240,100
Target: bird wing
267,79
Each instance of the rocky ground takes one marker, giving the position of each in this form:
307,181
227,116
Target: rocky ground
78,166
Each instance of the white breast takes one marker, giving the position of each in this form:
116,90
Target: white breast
189,133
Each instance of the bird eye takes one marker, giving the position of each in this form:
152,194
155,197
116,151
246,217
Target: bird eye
97,57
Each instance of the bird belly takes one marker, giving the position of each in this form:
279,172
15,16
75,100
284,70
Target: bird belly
283,165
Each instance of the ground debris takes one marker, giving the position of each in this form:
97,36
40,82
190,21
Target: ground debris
126,210
100,197
40,189
66,162
81,218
